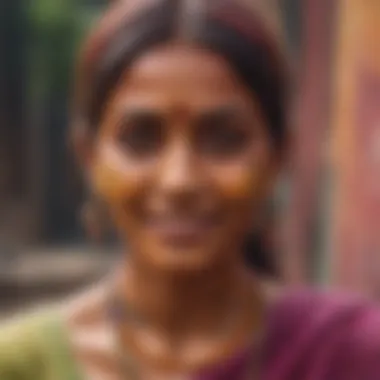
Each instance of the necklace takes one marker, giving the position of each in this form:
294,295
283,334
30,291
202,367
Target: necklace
118,312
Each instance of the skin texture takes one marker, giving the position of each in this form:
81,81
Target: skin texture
187,180
184,162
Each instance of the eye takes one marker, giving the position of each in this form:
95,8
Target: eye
221,136
141,135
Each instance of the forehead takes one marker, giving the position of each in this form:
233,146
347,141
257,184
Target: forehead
181,75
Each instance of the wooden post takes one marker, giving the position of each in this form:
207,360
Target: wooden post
355,243
311,122
13,146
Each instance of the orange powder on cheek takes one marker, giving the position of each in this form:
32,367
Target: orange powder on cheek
113,178
244,180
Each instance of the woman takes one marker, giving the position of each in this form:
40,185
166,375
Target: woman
180,129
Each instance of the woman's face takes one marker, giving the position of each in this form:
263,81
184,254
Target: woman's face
183,159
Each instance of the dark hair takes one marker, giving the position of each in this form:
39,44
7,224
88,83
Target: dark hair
230,28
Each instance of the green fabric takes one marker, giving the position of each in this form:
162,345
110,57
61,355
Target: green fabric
36,348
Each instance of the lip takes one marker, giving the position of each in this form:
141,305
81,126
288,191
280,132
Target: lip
181,231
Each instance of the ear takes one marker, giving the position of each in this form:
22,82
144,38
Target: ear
82,143
276,166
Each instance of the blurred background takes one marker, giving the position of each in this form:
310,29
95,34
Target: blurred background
324,226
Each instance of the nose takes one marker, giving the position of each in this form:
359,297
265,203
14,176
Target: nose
180,174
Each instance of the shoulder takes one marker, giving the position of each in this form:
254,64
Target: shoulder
332,332
22,347
41,342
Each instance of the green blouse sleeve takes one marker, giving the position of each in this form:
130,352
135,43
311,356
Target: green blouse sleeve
20,351
36,348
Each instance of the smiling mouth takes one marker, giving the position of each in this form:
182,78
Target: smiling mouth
180,231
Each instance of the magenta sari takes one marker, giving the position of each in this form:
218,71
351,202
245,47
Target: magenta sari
312,336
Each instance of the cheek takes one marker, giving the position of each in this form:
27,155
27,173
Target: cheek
236,182
246,180
109,183
113,178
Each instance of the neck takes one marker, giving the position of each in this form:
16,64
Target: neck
185,303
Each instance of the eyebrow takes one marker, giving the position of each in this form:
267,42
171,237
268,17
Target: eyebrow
221,112
139,112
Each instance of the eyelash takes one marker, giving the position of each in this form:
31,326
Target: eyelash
223,141
144,138
140,139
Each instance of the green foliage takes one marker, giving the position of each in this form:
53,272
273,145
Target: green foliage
56,28
50,15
